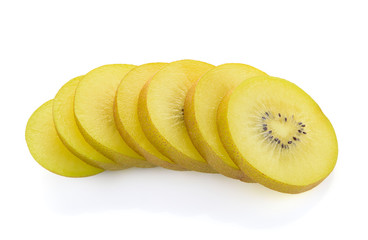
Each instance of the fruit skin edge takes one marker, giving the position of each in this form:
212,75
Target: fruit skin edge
255,174
35,157
202,145
104,165
131,142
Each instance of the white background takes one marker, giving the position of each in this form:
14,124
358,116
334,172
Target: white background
319,45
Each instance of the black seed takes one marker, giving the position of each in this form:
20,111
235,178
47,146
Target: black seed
300,131
263,118
278,142
279,115
294,138
282,145
300,123
304,133
285,119
303,125
271,137
267,113
264,129
276,139
270,132
290,142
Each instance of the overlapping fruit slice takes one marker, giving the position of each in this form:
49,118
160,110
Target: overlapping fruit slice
126,114
94,112
277,134
200,116
161,112
68,131
47,148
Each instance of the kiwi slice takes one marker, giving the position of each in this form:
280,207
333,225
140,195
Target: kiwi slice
94,112
161,112
47,148
126,114
277,134
68,131
200,116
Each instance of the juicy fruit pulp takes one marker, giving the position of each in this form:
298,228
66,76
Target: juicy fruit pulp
161,110
68,131
277,134
94,112
47,148
200,116
126,114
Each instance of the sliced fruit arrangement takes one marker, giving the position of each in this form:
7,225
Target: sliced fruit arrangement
277,134
186,115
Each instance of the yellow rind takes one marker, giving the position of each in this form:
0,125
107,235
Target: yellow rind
131,132
68,131
49,151
231,74
115,148
245,166
156,137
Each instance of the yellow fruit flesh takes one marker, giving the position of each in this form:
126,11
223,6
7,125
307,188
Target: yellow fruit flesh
126,114
47,148
68,131
94,112
200,116
298,153
161,108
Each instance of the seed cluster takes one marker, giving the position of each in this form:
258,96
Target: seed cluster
271,136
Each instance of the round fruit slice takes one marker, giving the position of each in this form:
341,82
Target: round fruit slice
277,134
94,112
161,110
47,148
126,114
68,131
201,106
